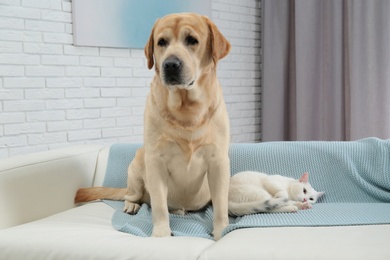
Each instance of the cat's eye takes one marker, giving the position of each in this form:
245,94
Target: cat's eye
304,191
311,199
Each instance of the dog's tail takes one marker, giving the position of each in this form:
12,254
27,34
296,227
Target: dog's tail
98,193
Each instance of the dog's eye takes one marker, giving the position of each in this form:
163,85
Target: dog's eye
162,42
190,40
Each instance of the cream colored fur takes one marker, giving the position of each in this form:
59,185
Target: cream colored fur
184,163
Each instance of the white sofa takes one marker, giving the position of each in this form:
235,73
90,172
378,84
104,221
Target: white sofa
38,220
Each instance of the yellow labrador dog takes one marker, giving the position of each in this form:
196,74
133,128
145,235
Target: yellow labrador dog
184,162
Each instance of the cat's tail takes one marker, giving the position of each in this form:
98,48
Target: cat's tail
97,193
238,209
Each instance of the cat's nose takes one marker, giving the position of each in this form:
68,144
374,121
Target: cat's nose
304,200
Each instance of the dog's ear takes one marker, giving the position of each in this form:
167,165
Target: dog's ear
220,46
149,49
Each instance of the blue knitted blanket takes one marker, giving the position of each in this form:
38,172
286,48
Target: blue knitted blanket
354,175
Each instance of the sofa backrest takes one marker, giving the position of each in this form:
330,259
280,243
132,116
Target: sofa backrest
356,171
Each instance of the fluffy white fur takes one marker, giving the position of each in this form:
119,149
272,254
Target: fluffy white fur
255,192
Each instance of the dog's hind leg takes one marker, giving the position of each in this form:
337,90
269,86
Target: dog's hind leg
136,192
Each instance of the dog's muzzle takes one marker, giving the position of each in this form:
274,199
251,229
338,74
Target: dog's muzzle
173,71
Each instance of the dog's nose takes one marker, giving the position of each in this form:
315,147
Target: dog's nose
172,64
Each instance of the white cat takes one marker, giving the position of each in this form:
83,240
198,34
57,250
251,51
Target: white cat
255,192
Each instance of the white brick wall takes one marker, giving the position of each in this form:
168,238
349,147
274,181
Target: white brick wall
54,94
239,72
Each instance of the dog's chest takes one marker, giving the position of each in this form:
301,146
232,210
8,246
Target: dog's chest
188,183
187,163
187,166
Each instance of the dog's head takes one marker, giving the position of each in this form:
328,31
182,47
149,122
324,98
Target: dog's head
183,47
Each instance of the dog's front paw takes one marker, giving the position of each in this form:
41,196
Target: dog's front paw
217,235
131,207
161,232
217,232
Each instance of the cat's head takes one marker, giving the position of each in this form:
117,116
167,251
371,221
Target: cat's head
301,190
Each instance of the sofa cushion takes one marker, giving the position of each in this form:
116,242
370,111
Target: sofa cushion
356,171
336,243
86,232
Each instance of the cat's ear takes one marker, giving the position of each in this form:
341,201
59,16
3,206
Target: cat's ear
320,194
304,178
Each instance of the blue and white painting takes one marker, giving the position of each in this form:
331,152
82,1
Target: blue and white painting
125,23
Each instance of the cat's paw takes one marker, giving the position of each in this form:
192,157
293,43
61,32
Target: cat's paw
303,205
290,209
131,207
306,205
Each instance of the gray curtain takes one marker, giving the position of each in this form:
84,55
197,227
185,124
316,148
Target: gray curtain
326,69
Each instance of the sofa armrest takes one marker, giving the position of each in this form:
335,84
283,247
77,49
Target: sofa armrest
37,185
